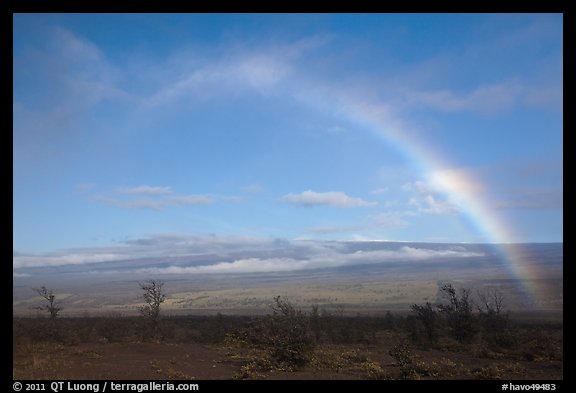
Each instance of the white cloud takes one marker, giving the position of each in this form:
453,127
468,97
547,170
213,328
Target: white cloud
261,69
155,198
380,191
250,265
156,204
428,197
231,254
149,190
155,246
334,229
431,205
326,259
259,72
179,200
333,198
444,191
131,204
407,253
63,258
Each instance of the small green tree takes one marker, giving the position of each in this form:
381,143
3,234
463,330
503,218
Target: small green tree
52,306
458,311
288,335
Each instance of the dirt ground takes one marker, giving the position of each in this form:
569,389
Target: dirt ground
163,361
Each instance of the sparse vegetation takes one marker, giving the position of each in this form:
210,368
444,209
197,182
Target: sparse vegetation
290,342
490,325
410,365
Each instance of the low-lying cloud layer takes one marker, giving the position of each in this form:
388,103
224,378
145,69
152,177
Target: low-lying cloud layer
331,259
182,254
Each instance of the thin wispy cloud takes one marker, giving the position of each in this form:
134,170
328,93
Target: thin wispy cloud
332,198
260,71
156,204
488,99
252,188
149,190
182,200
131,204
334,229
533,198
380,191
63,258
155,198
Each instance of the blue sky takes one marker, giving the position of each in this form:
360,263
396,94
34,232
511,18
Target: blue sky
435,128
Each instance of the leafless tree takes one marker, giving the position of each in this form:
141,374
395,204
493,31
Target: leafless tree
491,301
153,296
493,318
52,306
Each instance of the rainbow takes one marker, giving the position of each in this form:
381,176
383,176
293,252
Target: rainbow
458,186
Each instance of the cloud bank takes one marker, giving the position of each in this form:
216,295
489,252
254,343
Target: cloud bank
331,259
184,254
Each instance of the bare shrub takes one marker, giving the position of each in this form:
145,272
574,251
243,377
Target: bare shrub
495,323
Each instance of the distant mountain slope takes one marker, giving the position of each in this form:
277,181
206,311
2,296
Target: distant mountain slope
359,275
